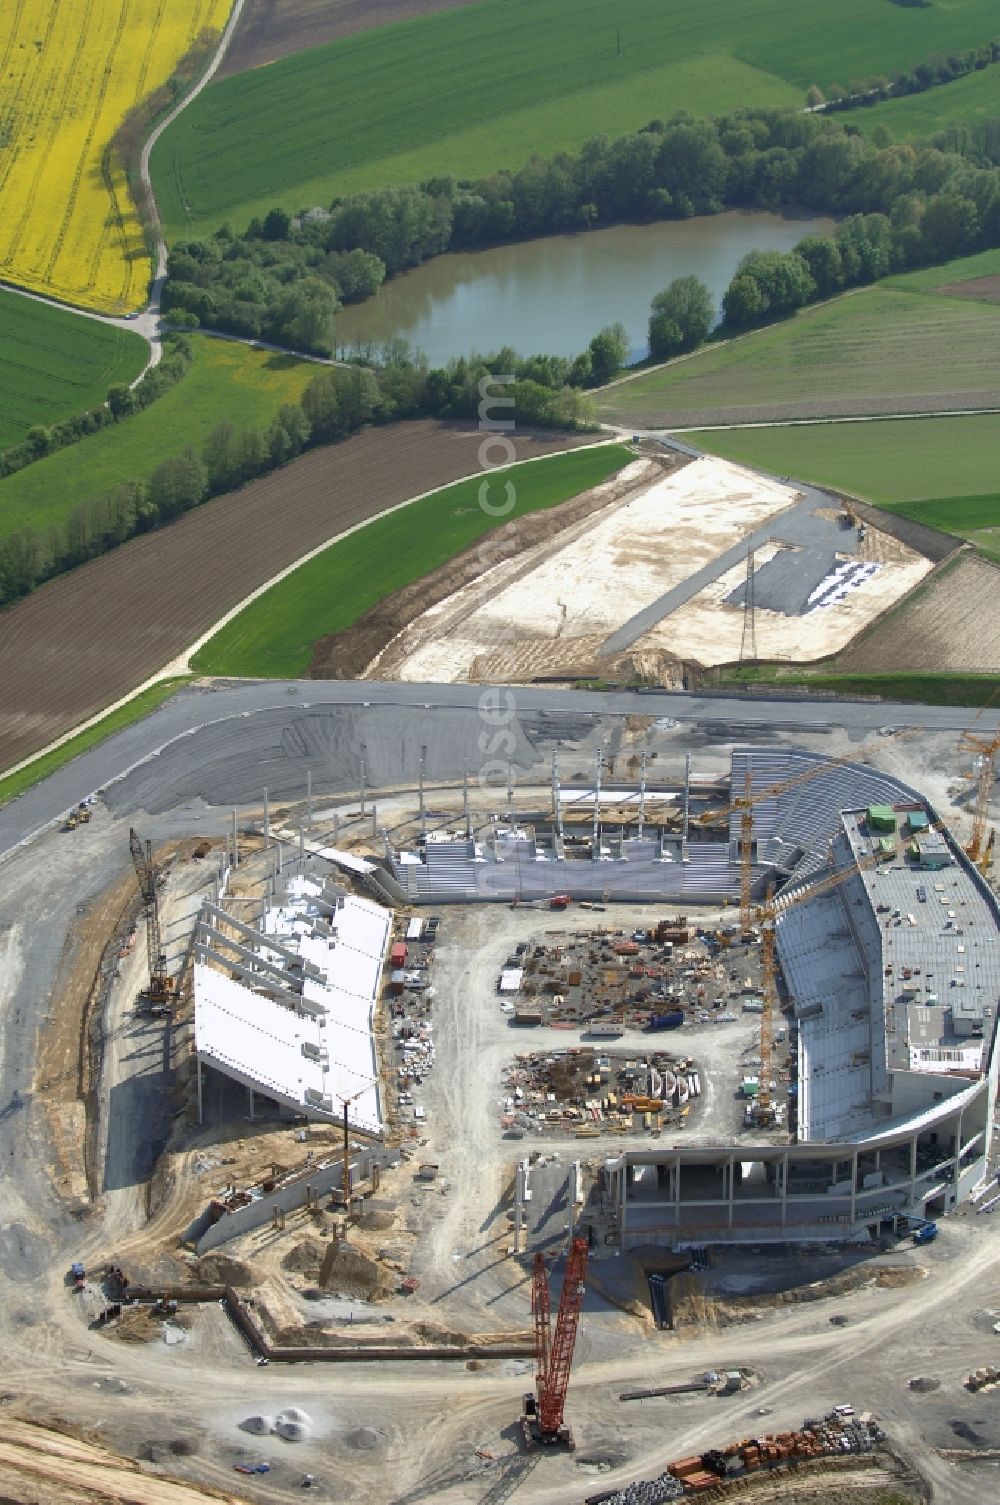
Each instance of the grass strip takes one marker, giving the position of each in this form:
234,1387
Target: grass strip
274,636
915,686
40,768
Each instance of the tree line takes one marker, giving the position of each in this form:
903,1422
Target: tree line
336,403
122,401
941,68
286,276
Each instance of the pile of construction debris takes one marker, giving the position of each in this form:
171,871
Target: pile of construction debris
606,981
839,1433
591,1093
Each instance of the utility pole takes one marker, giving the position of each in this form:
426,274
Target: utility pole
748,642
642,791
423,812
309,800
363,749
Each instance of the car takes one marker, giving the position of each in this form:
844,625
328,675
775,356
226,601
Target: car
131,316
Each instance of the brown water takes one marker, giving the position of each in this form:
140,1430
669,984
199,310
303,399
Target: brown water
552,295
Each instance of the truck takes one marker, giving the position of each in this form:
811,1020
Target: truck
78,1275
673,1020
925,1232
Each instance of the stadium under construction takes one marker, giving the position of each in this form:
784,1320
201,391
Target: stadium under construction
886,941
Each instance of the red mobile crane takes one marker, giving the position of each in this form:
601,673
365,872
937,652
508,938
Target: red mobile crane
542,1415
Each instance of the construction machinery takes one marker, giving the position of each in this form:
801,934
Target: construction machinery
979,848
345,1183
542,1414
764,1113
159,993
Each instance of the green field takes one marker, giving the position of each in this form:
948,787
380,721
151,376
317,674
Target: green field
55,364
907,460
926,689
226,382
274,636
976,518
488,86
882,342
975,97
140,705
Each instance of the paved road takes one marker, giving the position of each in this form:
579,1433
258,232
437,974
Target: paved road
194,709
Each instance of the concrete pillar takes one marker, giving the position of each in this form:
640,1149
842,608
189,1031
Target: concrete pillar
423,812
309,800
687,796
854,1188
267,821
236,845
336,826
465,802
198,1070
510,792
363,778
596,835
250,1090
642,792
784,1189
913,1168
729,1177
302,844
374,820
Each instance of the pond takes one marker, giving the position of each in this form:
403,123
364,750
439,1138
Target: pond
552,295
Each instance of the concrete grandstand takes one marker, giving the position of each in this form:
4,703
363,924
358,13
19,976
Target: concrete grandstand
893,975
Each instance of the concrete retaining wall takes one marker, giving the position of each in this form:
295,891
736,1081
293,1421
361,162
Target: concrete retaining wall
206,1235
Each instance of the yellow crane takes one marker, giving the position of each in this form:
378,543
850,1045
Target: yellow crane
745,802
767,915
979,848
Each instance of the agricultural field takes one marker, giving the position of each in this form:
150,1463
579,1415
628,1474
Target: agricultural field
55,364
88,638
424,97
276,634
70,72
272,29
885,349
886,462
962,102
226,382
976,518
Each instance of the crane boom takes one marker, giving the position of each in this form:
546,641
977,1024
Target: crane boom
541,1319
553,1397
160,984
984,750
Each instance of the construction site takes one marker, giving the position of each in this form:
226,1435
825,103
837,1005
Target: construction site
416,1071
757,567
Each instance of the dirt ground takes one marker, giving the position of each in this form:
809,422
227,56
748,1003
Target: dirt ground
709,631
37,1464
982,289
953,623
89,637
548,612
271,29
377,639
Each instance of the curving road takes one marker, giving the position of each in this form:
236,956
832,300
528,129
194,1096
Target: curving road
195,710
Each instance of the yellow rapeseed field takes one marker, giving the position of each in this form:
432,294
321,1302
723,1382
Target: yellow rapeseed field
69,71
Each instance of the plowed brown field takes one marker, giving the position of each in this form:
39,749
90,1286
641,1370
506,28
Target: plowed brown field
88,638
270,29
949,624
